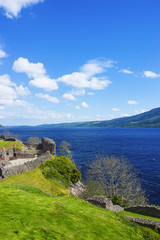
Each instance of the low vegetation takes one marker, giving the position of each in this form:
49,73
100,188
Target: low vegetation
26,213
11,145
62,169
36,179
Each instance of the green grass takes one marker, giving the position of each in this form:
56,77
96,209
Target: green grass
36,179
30,215
136,215
28,211
10,145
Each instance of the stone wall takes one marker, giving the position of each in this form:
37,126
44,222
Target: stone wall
145,210
22,166
145,223
104,202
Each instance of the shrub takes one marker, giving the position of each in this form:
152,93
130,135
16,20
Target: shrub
118,200
61,168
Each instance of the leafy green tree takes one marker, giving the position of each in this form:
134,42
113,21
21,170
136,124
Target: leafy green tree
118,179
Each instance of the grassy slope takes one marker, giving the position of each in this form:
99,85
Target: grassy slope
35,178
27,213
10,145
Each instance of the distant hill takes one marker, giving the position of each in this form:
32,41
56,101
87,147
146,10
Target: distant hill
149,119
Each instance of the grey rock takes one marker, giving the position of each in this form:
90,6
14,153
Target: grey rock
152,211
76,189
49,145
145,222
105,202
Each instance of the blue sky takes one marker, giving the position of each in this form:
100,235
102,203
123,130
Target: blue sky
67,60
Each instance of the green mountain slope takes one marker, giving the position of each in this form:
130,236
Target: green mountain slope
147,119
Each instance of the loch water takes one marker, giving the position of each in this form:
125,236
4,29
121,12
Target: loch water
141,146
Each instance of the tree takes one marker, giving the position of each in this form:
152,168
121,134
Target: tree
64,149
118,179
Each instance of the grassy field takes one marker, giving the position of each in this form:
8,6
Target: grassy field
10,145
36,179
28,213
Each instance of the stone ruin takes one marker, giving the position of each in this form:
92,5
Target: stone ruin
104,202
15,161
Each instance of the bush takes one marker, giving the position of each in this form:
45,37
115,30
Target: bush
62,169
118,200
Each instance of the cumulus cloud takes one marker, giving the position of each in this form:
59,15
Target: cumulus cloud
86,77
48,97
126,71
45,83
37,72
33,70
9,91
13,7
115,109
5,80
132,102
22,91
84,104
151,74
7,95
69,96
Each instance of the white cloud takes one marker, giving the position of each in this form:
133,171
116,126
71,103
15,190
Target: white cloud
2,54
93,67
69,96
126,71
132,102
115,109
77,107
151,74
33,70
45,83
80,92
5,80
7,95
140,111
84,104
48,97
22,91
37,72
125,115
91,93
13,7
86,77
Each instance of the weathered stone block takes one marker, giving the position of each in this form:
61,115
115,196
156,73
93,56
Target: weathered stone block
105,202
49,145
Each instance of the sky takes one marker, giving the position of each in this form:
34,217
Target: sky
78,60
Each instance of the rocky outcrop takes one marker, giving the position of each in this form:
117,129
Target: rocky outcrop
152,211
49,145
76,189
105,202
145,223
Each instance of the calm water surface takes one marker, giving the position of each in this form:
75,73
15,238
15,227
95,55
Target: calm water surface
140,145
